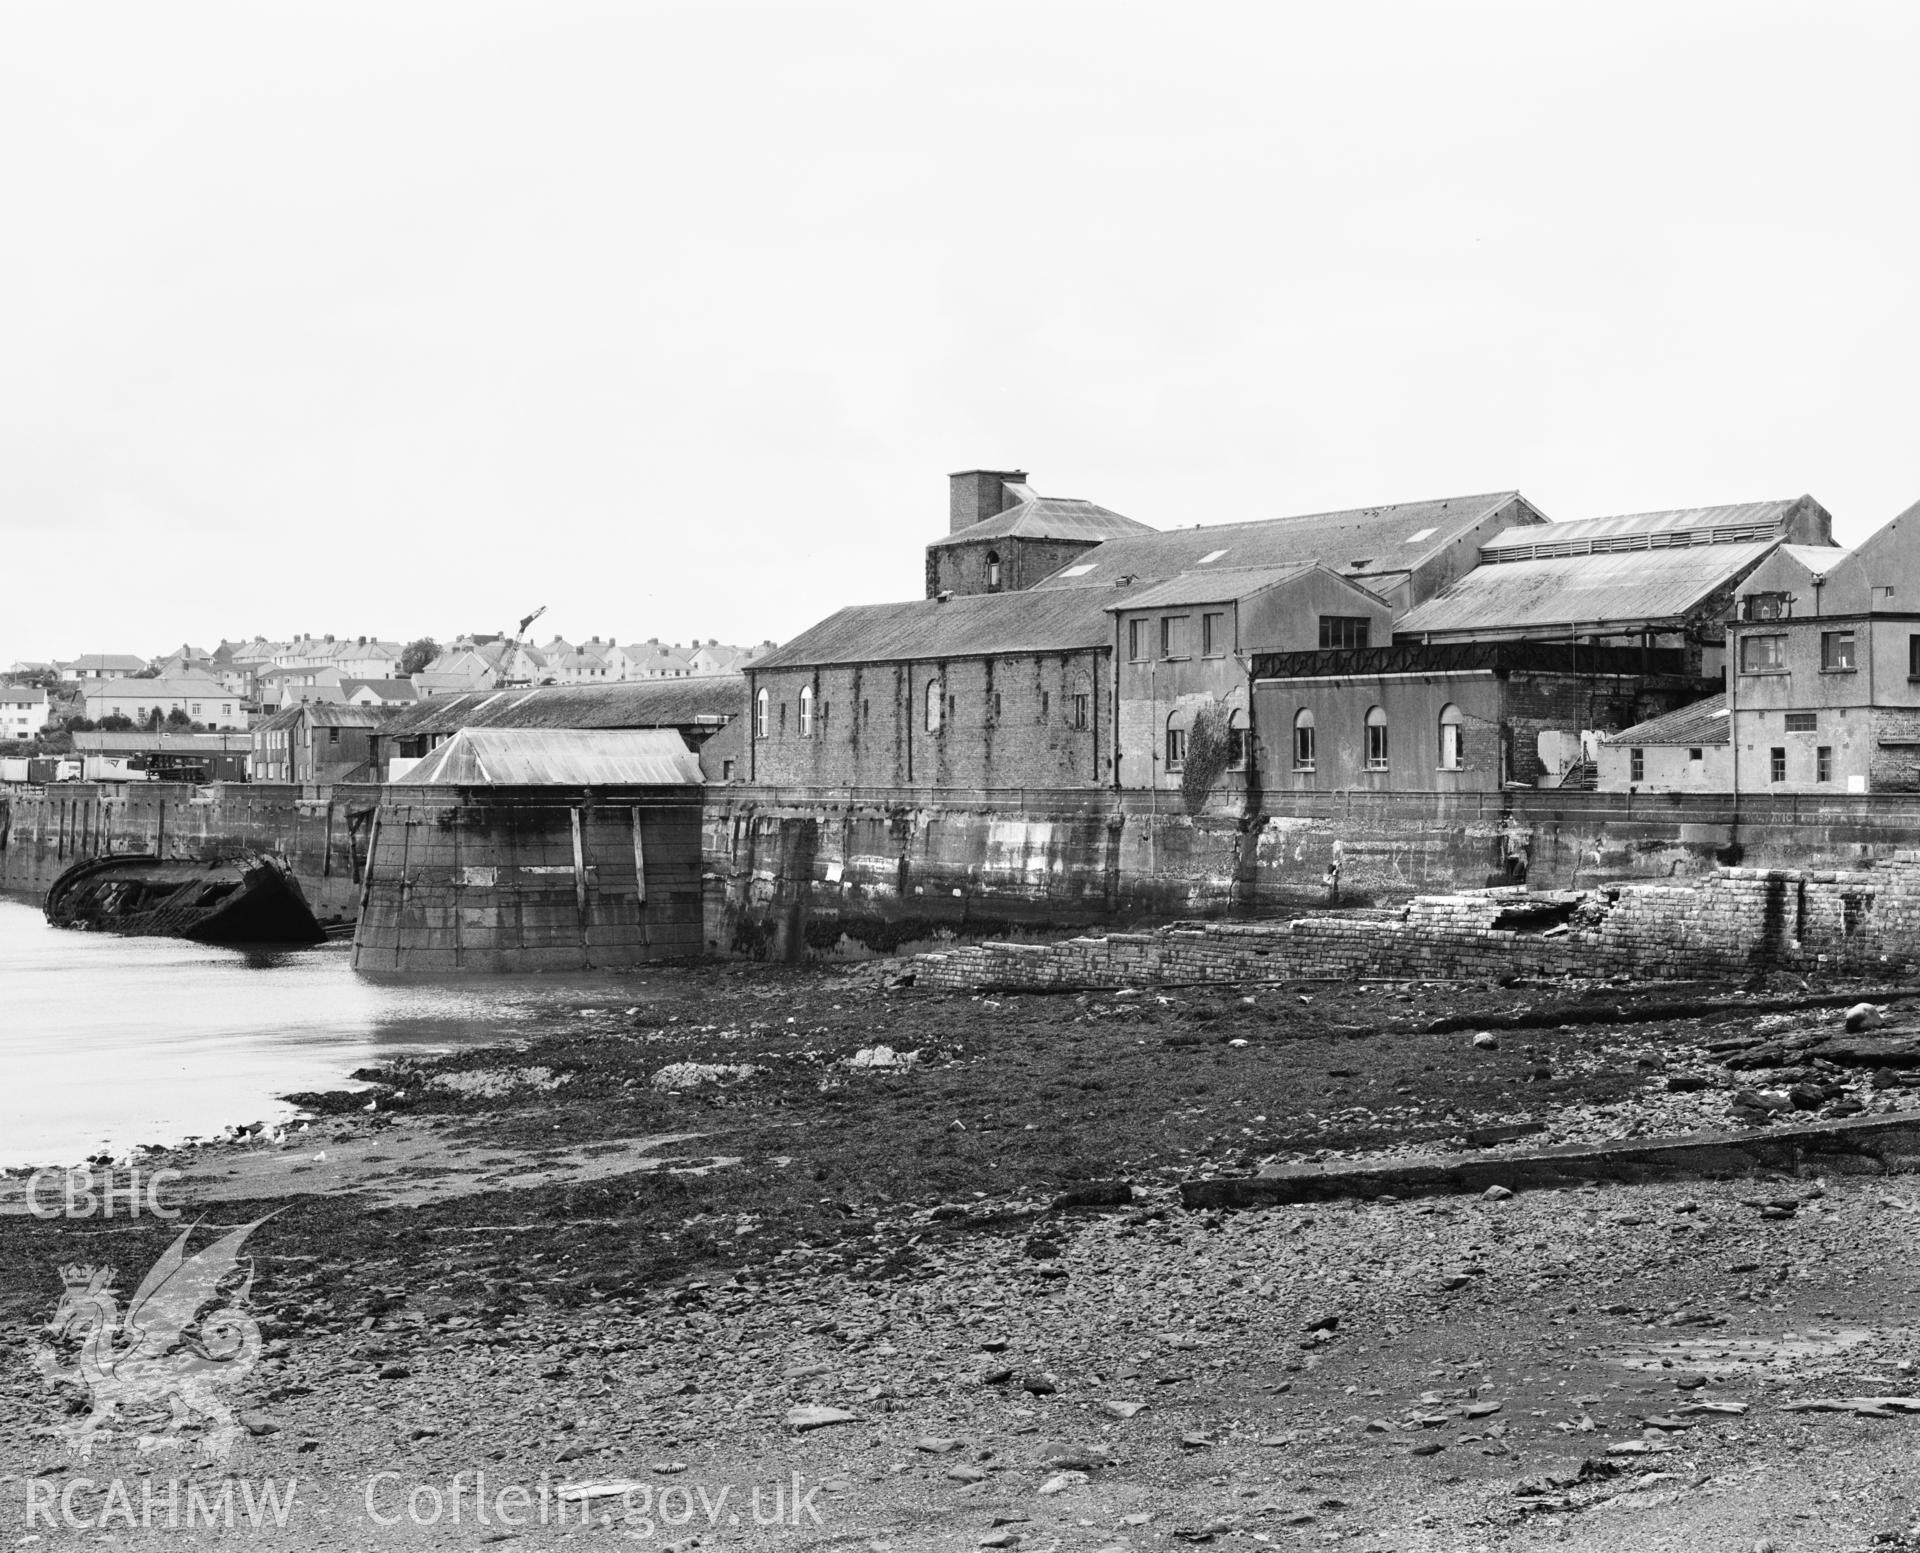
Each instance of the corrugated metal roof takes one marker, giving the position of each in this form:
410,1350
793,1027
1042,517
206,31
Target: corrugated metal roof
1388,539
1583,590
680,703
1066,620
1210,585
1682,526
1050,517
559,757
1705,722
142,743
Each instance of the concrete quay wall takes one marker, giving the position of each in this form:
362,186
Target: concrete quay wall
814,866
322,832
495,880
788,870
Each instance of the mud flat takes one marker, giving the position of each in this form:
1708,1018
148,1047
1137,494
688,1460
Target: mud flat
928,1254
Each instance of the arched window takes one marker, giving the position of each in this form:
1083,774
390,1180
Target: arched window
933,706
806,711
1237,739
1176,742
993,571
1452,747
1303,739
1376,739
760,715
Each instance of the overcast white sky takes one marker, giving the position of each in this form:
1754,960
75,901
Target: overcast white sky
401,318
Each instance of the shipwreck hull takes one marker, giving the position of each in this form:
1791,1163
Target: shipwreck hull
243,900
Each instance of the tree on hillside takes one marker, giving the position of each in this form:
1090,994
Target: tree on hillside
419,653
114,722
81,724
153,720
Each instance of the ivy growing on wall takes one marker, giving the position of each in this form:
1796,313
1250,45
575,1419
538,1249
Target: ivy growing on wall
1209,750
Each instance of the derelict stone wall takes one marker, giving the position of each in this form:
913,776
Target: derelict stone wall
1731,923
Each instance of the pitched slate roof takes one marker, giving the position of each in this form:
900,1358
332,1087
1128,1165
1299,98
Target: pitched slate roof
685,703
108,663
1210,585
1703,723
569,757
1066,620
1556,595
326,714
1388,539
386,689
1048,517
184,685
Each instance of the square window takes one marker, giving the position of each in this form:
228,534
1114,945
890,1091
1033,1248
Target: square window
1137,640
1213,636
1343,631
1173,636
1081,705
1776,764
1303,746
1763,654
1636,765
1836,651
1823,763
1176,748
1802,722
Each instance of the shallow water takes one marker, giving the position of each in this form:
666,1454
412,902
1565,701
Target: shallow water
106,1043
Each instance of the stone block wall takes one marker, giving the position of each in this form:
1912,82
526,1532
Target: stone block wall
1731,923
546,881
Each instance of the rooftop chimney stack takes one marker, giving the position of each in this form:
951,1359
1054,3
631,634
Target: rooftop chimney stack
974,495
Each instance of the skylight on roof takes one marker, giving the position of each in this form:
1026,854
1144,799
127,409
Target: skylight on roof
1078,571
1211,555
1425,533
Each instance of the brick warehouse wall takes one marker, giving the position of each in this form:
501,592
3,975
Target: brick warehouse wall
1003,720
546,880
1730,923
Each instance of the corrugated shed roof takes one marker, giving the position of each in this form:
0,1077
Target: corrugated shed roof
1388,539
1705,722
1682,526
1583,590
1210,585
143,743
1066,620
680,703
559,757
1049,517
